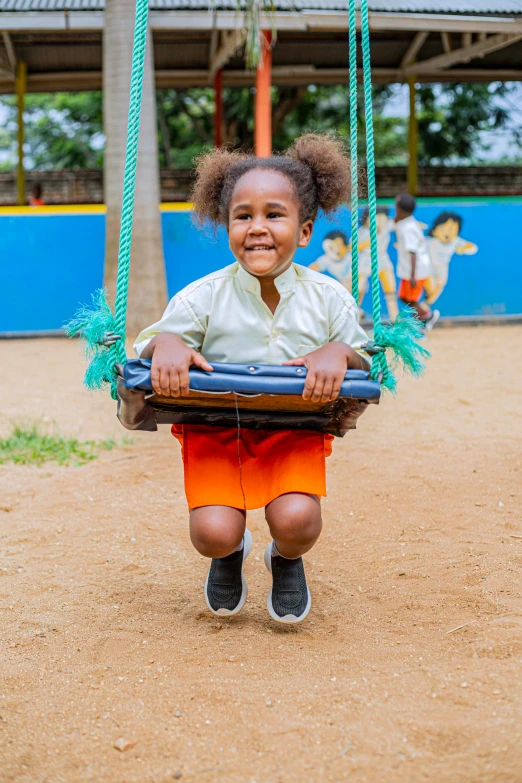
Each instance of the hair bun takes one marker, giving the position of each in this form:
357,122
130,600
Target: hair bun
211,172
329,164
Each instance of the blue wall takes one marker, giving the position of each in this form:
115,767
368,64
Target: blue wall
51,262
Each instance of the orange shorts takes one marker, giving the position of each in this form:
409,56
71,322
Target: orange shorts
272,464
410,293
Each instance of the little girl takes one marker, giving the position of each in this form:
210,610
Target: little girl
261,309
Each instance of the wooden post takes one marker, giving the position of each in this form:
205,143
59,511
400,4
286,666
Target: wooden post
263,101
413,140
20,87
218,113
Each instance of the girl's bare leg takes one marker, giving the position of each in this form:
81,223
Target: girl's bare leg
295,523
216,531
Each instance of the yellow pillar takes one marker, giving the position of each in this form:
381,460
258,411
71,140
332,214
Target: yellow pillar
413,140
21,86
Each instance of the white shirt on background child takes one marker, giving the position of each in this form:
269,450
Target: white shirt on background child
410,239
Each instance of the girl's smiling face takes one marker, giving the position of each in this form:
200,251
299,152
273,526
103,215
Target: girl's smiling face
264,228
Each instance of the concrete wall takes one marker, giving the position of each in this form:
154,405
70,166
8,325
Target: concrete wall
86,187
51,259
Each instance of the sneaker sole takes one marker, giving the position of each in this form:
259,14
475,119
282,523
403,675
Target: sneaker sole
247,546
288,619
433,320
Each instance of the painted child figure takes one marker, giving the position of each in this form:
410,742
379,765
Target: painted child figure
413,266
337,258
444,241
385,226
263,308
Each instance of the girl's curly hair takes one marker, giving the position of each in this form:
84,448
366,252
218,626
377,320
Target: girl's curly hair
316,165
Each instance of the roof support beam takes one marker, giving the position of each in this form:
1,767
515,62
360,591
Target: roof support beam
227,20
389,21
290,75
446,41
463,55
413,49
9,49
230,43
214,43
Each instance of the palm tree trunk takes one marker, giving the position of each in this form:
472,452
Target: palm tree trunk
147,292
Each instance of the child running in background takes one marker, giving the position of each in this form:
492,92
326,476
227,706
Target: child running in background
413,266
386,272
264,309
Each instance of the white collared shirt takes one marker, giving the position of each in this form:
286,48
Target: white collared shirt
410,239
223,316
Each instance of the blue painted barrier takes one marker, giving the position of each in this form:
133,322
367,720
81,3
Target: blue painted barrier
52,259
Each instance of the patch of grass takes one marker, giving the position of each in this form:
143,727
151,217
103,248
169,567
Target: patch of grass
29,445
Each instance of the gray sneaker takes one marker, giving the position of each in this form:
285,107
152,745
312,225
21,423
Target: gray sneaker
226,589
289,600
430,322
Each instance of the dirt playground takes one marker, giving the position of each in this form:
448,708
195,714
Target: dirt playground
409,667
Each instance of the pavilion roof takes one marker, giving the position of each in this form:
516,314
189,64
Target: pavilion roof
449,40
496,7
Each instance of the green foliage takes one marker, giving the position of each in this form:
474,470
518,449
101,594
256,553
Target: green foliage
27,444
327,109
63,130
453,116
185,125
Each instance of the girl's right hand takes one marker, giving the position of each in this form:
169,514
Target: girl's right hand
171,360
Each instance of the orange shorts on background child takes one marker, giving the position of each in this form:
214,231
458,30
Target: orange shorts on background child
411,293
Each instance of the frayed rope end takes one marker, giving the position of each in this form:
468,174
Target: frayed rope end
401,337
92,323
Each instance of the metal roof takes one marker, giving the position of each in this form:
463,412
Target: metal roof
460,40
483,7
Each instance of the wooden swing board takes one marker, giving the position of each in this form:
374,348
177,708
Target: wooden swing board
288,403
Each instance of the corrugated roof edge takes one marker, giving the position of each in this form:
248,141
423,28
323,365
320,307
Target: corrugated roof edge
458,7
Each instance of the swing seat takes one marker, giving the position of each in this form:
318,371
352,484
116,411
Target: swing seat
253,396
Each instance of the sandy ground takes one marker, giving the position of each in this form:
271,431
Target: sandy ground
409,668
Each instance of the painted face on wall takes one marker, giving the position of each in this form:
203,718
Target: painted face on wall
447,231
335,248
382,221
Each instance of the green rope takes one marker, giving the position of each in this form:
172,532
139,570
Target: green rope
93,322
401,336
379,362
354,205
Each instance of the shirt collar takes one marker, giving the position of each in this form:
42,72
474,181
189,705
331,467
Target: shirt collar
284,282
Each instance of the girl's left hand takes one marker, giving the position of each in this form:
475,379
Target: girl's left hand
326,370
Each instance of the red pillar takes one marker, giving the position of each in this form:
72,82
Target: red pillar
263,103
218,114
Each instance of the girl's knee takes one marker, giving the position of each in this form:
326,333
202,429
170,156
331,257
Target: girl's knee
216,531
295,518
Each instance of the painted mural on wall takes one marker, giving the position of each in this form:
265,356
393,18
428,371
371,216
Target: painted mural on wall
51,262
443,242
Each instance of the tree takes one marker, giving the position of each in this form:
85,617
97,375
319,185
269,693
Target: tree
327,109
147,294
62,131
452,118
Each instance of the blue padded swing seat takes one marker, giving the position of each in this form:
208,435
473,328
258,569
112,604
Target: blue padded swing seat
254,395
